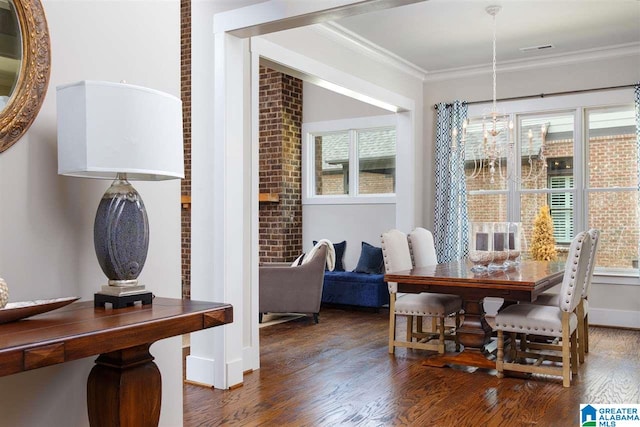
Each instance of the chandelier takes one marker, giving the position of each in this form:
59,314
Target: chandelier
490,154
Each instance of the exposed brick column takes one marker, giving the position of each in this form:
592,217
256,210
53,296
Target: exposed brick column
185,93
280,223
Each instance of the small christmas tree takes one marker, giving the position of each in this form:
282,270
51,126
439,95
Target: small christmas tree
543,244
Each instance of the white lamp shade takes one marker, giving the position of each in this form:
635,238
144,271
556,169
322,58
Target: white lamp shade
107,128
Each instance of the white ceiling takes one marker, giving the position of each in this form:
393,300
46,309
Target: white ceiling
445,35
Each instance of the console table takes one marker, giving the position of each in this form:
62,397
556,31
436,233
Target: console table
124,387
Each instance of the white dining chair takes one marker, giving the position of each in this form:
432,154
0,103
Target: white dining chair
558,321
423,253
397,257
552,298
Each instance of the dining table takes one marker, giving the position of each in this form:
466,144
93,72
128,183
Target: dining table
520,283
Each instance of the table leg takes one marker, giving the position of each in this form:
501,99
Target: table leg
473,334
124,389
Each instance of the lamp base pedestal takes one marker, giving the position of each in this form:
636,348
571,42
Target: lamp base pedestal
121,301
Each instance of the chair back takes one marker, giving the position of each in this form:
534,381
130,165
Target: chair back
396,254
575,272
422,247
595,236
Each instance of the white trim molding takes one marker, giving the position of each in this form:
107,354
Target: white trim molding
614,318
359,44
587,55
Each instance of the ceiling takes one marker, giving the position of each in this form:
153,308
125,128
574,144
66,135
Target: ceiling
446,35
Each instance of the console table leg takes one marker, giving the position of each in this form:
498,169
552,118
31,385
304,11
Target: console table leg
124,389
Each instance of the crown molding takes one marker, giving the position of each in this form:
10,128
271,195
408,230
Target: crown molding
587,55
362,45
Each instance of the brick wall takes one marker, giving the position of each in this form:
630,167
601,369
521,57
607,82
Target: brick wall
185,93
280,223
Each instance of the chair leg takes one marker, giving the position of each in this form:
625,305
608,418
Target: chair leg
315,317
574,352
585,328
513,349
581,331
566,352
260,317
409,328
441,346
392,322
500,358
434,324
419,325
457,338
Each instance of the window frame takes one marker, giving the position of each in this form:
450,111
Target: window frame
580,104
352,126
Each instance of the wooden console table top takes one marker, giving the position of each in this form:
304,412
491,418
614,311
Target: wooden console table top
79,330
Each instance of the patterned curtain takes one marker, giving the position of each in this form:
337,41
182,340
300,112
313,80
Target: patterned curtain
451,223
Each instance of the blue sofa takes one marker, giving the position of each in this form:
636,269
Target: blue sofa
358,289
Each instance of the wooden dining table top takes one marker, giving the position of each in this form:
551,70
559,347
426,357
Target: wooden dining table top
529,278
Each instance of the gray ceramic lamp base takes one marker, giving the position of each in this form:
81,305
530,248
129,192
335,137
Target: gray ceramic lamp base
121,240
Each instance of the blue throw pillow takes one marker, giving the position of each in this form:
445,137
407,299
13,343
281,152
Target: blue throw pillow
371,260
339,248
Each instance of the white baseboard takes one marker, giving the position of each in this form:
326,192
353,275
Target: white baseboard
615,318
251,359
200,370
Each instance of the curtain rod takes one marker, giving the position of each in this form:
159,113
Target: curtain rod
544,95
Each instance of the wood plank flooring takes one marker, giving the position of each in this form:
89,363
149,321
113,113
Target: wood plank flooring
339,373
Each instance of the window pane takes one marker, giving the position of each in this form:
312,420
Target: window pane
487,207
546,149
613,151
561,209
331,163
377,161
615,215
481,151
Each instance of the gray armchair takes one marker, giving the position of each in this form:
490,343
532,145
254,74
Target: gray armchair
286,289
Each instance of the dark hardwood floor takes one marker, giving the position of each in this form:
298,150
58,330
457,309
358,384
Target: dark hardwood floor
339,372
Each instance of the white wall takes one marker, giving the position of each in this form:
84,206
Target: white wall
46,221
354,223
320,105
616,303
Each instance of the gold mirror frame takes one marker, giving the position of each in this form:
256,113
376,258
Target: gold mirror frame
29,93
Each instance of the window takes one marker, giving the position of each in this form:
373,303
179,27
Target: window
350,159
590,179
611,184
561,209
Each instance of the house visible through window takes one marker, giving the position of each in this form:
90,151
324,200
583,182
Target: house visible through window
353,162
590,179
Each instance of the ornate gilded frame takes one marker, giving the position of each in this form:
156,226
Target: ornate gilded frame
27,98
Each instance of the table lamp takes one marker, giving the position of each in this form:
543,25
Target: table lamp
121,132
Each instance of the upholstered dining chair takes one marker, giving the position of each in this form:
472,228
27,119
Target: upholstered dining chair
397,257
560,321
423,253
422,247
550,298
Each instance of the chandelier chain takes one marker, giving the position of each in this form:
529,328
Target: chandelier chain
494,64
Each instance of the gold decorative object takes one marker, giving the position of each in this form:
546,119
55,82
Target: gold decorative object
543,244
